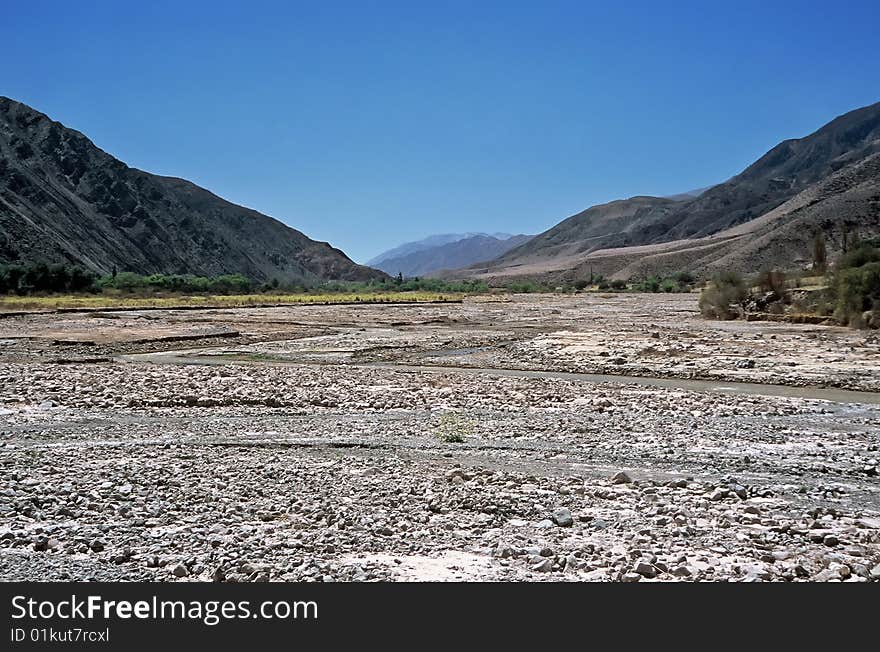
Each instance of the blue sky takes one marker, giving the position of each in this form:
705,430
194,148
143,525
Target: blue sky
367,124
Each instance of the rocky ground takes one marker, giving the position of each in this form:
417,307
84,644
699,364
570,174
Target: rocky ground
389,443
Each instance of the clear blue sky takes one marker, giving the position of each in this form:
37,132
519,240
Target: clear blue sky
367,124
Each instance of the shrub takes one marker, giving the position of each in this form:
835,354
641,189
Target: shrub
721,297
856,285
865,253
618,284
526,287
650,284
684,278
771,280
41,277
223,284
680,282
858,291
10,278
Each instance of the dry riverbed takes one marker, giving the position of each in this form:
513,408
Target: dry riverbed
448,442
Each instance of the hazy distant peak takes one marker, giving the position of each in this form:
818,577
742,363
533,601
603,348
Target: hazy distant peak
473,248
428,242
689,194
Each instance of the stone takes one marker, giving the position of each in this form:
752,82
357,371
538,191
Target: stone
645,569
740,491
621,477
180,570
826,575
543,566
630,577
562,517
842,570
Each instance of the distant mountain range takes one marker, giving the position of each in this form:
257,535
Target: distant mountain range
768,215
445,252
62,199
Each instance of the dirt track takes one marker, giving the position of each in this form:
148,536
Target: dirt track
308,443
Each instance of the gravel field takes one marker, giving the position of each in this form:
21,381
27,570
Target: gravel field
540,438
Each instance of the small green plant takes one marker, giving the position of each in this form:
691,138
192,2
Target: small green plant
453,428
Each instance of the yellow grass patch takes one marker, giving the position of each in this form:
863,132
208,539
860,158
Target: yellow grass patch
99,301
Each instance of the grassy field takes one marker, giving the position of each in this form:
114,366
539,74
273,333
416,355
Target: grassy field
103,301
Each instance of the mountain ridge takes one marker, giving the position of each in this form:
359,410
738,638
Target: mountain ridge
64,199
606,237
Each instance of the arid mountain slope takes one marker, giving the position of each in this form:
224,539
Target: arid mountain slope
62,199
826,181
780,174
615,224
844,204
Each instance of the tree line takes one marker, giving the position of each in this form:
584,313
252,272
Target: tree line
42,278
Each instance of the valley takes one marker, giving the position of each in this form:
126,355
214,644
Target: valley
506,437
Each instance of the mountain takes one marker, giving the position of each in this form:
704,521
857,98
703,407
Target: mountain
768,214
62,199
450,255
690,194
427,243
845,203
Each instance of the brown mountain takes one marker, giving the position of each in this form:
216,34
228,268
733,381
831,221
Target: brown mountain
767,215
62,199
